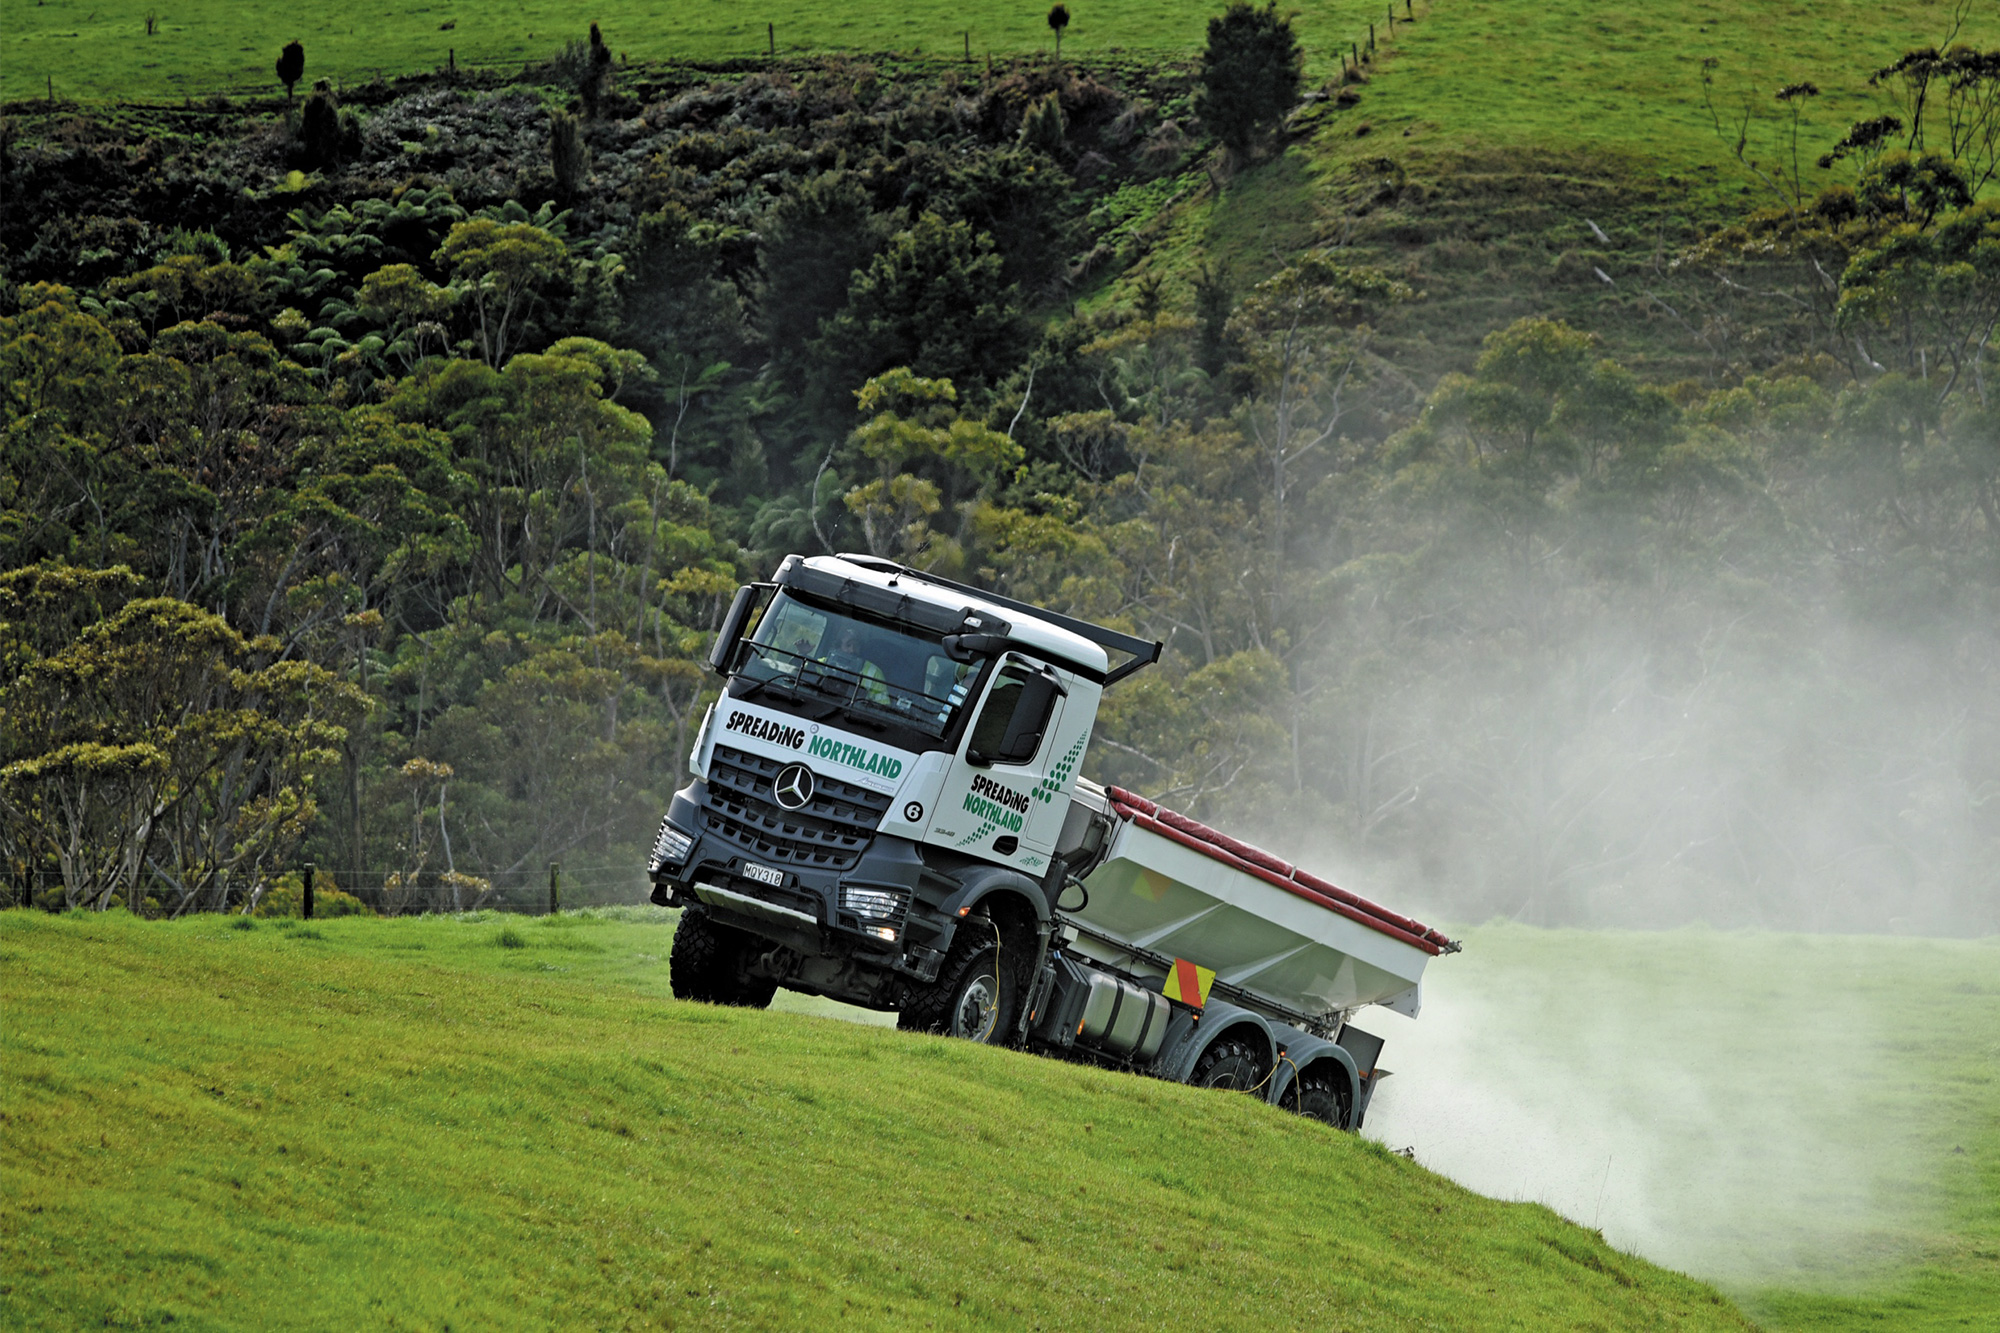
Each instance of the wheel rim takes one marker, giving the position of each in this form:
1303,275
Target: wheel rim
1233,1071
978,1006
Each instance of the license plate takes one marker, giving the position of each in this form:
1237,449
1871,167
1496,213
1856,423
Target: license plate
764,874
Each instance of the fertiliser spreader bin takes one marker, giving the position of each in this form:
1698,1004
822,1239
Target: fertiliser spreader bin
886,811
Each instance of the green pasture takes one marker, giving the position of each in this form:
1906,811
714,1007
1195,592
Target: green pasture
503,1123
101,51
1560,74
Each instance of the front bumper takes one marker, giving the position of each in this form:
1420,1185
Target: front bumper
814,912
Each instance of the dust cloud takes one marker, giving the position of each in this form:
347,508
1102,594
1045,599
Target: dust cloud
1726,1104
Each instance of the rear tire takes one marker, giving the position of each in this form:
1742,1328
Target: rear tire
1231,1065
1321,1097
973,998
710,963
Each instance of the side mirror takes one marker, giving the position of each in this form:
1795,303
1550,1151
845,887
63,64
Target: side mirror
723,650
968,647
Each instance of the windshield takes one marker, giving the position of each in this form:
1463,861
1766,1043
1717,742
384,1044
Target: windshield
816,661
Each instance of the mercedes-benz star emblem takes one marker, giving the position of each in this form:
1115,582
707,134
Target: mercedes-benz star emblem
794,787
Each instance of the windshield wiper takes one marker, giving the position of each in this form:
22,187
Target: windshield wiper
815,710
754,687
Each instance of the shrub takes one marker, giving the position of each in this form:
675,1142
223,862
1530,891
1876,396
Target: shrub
321,138
284,899
1044,126
569,158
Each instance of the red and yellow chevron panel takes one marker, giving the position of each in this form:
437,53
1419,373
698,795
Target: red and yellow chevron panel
1188,983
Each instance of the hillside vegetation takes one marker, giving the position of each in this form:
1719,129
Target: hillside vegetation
505,1124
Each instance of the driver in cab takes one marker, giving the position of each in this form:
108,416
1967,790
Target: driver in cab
846,659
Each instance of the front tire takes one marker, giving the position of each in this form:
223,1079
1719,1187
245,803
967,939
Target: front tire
710,963
973,998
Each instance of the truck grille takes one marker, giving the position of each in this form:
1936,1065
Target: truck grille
828,833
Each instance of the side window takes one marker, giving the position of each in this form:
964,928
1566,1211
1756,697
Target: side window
1016,715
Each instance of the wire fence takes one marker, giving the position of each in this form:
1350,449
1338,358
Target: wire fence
337,892
1353,55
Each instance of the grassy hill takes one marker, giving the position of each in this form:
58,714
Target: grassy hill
494,1123
1490,137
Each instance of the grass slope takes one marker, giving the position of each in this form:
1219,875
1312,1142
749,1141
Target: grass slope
1491,135
487,1123
1811,1121
95,50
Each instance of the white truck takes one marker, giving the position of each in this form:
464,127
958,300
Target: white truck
887,811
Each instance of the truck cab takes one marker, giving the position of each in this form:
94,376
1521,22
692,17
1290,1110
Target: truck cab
880,793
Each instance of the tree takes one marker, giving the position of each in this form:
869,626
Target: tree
1250,73
1058,20
814,239
410,307
688,320
158,746
501,268
925,458
291,67
1304,342
1936,289
936,301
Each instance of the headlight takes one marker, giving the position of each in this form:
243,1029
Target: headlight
881,904
670,848
881,910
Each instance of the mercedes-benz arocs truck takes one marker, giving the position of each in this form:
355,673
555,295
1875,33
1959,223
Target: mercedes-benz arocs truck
887,811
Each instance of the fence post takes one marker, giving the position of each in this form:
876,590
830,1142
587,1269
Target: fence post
771,36
451,60
555,887
968,46
308,905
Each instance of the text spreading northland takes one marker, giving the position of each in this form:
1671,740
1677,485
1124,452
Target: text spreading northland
855,756
995,803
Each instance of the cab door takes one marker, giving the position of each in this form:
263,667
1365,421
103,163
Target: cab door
995,801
